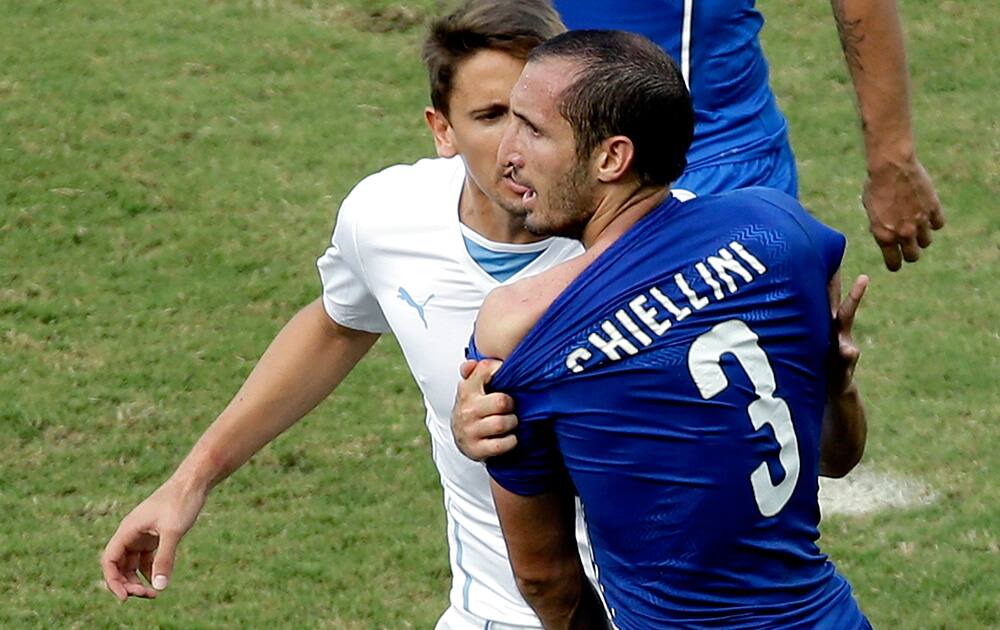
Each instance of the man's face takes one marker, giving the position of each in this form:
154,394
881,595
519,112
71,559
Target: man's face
538,157
478,109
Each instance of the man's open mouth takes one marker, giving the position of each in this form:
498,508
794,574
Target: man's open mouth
527,192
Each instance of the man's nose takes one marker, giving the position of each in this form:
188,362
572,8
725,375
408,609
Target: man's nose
508,154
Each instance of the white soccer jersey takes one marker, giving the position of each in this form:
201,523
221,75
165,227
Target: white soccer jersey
398,263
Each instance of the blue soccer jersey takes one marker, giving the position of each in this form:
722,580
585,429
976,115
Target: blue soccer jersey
680,381
715,42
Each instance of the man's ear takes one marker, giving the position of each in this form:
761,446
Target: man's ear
444,137
613,159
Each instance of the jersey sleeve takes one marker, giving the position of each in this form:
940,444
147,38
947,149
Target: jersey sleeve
347,296
827,242
534,466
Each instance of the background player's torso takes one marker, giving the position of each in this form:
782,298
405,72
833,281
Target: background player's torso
716,44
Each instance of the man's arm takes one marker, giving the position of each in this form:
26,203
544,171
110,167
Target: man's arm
305,362
541,542
845,426
844,433
898,195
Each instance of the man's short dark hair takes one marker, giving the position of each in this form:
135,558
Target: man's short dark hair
511,26
625,85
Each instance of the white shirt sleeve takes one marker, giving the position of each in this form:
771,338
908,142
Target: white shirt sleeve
347,295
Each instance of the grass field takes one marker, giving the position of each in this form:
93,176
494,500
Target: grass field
168,174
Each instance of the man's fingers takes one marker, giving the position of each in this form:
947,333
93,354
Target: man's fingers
466,368
849,305
493,404
910,249
480,373
496,446
113,554
114,579
937,217
117,589
890,254
163,562
924,235
130,568
858,289
484,370
140,590
474,408
115,583
849,354
494,426
146,565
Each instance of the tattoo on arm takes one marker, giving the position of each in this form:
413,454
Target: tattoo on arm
850,36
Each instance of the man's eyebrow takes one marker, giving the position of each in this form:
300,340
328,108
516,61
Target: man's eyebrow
491,107
524,119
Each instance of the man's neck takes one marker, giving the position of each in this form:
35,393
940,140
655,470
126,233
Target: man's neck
618,209
489,220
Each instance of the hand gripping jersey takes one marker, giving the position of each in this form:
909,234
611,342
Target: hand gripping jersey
715,43
398,263
680,381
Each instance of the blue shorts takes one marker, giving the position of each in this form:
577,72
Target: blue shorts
774,168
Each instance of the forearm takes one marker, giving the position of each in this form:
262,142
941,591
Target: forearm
872,39
304,363
540,534
561,610
565,603
844,433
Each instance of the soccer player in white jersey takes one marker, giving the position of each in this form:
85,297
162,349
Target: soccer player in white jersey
415,250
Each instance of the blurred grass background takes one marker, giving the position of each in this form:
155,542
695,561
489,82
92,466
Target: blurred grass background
169,173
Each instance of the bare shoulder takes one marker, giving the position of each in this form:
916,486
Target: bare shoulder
509,312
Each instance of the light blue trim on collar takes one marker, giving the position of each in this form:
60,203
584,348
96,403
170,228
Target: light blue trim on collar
502,265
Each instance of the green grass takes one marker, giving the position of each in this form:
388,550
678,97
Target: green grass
168,174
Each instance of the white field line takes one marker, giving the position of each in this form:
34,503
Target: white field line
864,491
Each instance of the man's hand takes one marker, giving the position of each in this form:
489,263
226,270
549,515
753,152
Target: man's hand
304,363
146,543
481,423
843,363
902,210
845,424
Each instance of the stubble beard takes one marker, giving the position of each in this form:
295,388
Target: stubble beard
568,209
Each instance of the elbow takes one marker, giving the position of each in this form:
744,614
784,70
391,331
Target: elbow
844,435
536,586
550,589
844,461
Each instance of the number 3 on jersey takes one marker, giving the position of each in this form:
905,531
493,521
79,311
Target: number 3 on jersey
704,362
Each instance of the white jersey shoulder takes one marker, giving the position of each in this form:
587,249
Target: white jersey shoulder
392,210
404,193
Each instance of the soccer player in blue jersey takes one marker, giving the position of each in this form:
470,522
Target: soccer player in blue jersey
674,376
740,135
